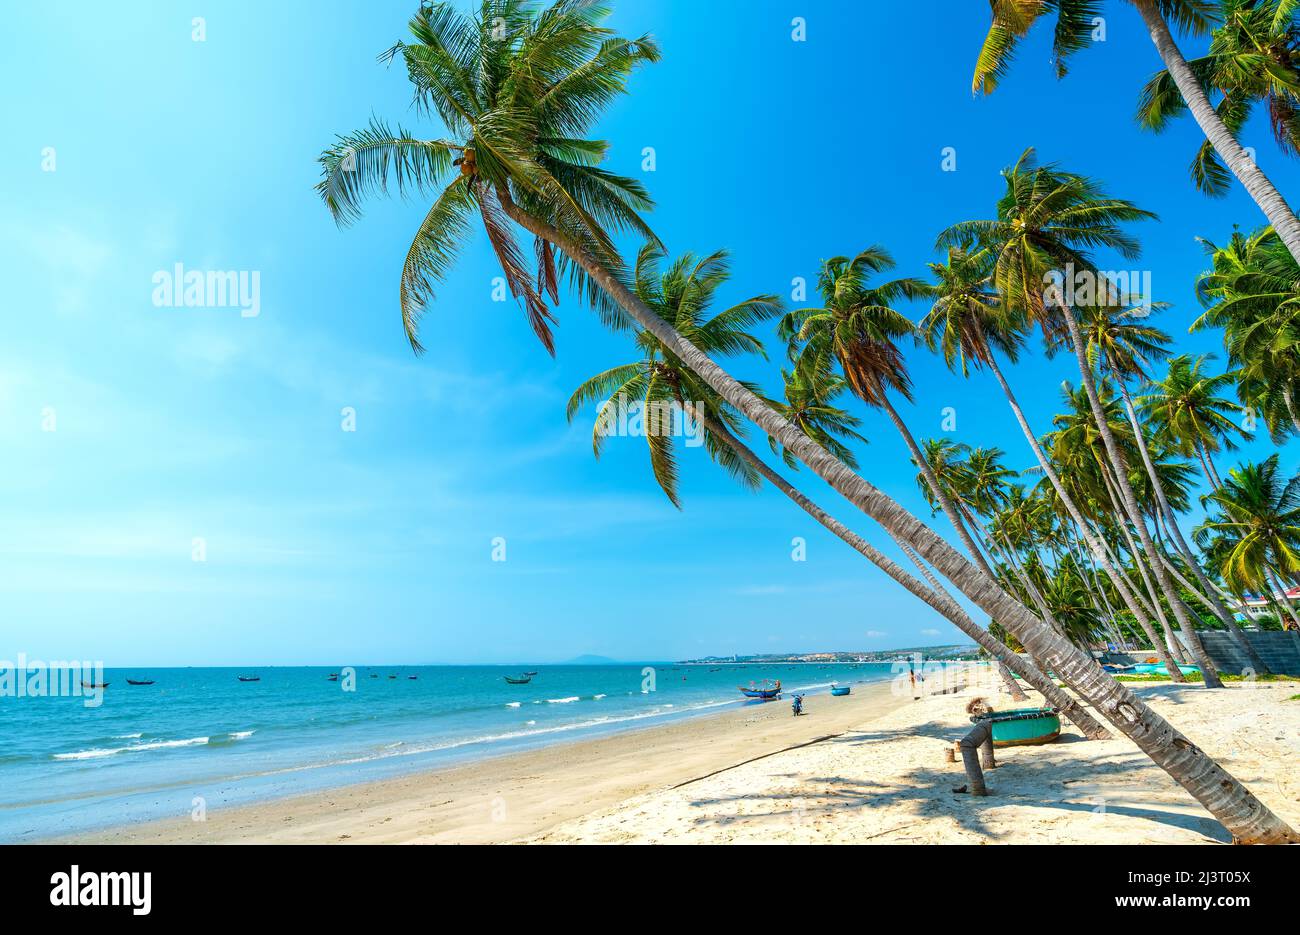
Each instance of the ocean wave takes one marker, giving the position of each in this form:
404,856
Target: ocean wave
96,753
569,700
512,704
597,697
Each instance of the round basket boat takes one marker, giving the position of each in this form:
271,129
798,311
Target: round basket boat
1024,726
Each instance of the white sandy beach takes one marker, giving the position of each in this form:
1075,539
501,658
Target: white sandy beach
865,769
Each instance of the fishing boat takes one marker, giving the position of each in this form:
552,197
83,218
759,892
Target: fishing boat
331,678
764,692
530,674
840,690
94,684
521,680
412,677
139,681
249,678
1022,727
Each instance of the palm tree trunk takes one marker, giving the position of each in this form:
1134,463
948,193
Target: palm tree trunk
1281,595
1238,636
935,595
1152,593
928,472
1013,687
1262,190
1100,551
1129,500
1207,594
1230,802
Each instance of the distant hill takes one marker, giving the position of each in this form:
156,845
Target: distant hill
588,659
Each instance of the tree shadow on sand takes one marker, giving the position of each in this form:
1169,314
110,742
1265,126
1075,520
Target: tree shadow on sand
1111,783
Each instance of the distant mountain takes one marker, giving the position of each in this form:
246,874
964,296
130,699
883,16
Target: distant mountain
589,660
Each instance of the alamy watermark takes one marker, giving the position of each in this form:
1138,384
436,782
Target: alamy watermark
658,418
1085,288
54,679
213,288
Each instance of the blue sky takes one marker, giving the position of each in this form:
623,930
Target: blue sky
325,546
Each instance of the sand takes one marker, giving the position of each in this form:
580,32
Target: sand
869,768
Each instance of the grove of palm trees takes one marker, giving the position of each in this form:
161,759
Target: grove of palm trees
1128,522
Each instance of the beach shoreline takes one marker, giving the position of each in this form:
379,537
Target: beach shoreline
508,795
869,768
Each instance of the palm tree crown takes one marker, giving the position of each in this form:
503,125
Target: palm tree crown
518,89
665,390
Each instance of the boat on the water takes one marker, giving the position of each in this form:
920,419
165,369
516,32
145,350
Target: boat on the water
94,684
249,678
530,674
521,680
840,690
139,681
1021,727
765,691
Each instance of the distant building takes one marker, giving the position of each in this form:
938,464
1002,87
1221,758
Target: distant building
1255,606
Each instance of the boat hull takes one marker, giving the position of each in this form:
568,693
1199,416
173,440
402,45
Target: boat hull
841,691
1025,727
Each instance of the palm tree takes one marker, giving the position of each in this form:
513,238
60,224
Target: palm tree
1187,410
1012,20
682,294
809,405
1254,530
1047,223
1253,59
1252,294
515,75
664,391
858,329
971,318
1124,344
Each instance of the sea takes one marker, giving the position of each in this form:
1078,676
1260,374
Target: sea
200,738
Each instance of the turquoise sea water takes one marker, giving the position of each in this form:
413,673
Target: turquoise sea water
150,751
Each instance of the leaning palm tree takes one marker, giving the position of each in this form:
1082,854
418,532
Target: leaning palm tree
1252,60
858,330
522,83
1186,409
1074,22
1124,343
1047,224
1252,294
1254,529
972,321
666,393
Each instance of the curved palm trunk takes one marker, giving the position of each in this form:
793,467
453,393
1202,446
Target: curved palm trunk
1206,593
927,471
1262,190
1246,817
1099,549
1171,642
1129,502
1008,676
935,595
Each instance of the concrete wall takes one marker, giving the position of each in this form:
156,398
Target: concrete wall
1279,649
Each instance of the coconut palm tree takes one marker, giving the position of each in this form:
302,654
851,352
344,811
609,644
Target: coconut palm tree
1254,530
858,330
1074,23
514,74
1123,344
809,405
668,393
1048,222
1186,408
1252,294
1254,58
664,392
974,317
